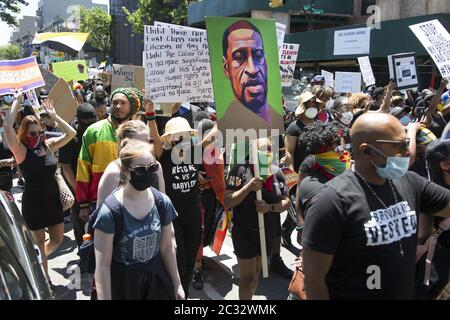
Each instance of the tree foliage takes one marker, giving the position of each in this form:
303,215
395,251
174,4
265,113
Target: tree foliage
10,52
170,11
98,23
9,8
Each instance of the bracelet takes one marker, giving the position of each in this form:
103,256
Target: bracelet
150,118
150,114
299,227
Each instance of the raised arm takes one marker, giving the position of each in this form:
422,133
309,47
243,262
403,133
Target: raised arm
17,148
154,134
385,107
69,132
437,97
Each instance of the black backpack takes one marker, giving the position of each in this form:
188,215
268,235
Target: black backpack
87,252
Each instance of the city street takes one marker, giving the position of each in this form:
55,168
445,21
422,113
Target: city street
221,273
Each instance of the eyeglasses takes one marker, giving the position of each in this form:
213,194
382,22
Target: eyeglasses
40,132
403,144
141,169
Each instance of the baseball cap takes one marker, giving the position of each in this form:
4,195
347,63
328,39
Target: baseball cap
437,151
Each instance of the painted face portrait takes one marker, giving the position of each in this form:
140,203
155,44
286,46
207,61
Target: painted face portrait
245,65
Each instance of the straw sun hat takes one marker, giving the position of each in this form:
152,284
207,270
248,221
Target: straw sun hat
177,125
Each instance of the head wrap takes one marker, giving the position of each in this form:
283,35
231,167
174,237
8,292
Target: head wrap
134,95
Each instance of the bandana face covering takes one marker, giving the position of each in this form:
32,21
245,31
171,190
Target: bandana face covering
334,163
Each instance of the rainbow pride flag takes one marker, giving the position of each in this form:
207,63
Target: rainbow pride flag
23,74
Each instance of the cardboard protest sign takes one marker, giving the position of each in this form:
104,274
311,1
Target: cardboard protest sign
366,71
436,40
71,70
124,76
329,78
63,100
49,78
288,60
105,77
23,74
403,69
347,82
243,101
352,41
177,65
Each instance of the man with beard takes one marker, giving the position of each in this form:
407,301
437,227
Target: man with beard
68,157
245,65
99,147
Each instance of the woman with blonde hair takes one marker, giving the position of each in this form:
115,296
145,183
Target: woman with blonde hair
135,248
134,129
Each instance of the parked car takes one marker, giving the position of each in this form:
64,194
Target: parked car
21,273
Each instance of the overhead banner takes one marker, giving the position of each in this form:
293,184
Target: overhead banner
247,91
73,70
22,74
366,71
329,78
288,60
70,42
63,100
347,82
177,65
403,69
352,41
124,76
436,40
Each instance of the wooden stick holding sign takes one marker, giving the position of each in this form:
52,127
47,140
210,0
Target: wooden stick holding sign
262,230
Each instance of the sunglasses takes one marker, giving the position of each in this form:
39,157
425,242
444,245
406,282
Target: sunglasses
34,133
141,169
402,144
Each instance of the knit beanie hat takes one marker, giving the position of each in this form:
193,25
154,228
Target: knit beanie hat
134,95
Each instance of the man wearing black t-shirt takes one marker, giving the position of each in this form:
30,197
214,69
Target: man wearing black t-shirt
360,231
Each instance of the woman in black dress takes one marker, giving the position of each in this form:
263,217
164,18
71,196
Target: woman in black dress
41,206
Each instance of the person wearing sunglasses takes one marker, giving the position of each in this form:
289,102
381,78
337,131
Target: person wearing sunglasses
360,233
139,261
110,180
35,155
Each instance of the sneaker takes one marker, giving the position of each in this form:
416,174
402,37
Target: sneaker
277,266
197,282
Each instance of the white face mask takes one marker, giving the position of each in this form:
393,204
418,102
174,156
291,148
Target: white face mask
346,117
311,113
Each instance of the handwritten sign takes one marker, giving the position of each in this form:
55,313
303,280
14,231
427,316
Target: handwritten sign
352,41
175,26
288,59
436,40
124,76
329,78
348,82
71,70
177,65
23,74
366,71
281,31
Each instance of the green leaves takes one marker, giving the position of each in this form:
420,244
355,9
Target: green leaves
8,8
10,52
98,23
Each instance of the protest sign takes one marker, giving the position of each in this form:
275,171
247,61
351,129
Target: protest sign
105,77
403,69
22,74
436,40
177,65
71,70
49,78
175,26
352,41
366,71
124,76
347,82
281,31
288,60
329,78
63,100
32,97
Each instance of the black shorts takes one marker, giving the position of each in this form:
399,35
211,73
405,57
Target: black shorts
246,240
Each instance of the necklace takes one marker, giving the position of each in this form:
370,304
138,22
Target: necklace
382,202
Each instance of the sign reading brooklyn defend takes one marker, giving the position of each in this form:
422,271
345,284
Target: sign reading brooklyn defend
246,74
177,65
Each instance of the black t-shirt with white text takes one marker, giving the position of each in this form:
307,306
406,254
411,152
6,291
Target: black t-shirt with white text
345,219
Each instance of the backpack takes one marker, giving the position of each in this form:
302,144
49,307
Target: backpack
87,252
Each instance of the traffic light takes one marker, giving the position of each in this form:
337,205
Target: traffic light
276,3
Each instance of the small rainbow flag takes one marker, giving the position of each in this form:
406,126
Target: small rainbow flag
23,74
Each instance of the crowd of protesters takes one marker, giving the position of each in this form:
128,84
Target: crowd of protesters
373,179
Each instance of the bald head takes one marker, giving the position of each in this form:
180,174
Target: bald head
375,126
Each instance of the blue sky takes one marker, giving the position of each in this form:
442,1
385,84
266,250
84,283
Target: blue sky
29,10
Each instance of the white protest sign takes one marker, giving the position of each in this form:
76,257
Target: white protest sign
347,82
177,65
352,41
403,69
280,30
436,40
329,78
287,63
175,26
366,71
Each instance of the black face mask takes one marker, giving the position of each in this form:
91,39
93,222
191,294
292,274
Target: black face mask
142,180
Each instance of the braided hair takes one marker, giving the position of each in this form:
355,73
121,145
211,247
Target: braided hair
322,137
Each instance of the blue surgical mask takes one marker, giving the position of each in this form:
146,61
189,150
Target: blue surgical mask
395,166
9,99
405,120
